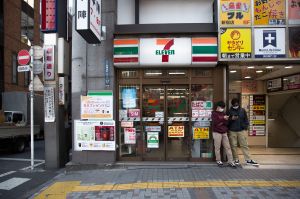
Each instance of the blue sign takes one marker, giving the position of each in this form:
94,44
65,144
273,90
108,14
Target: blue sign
269,37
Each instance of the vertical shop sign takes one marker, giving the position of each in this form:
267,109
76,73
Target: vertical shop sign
129,135
257,115
107,73
269,42
294,42
152,140
235,43
49,70
49,108
48,16
235,12
269,12
294,11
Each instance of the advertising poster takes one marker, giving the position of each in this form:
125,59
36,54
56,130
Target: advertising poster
294,42
165,51
269,42
175,131
235,12
97,107
49,108
235,43
274,85
257,115
201,133
294,11
152,140
129,97
269,12
291,82
94,135
129,135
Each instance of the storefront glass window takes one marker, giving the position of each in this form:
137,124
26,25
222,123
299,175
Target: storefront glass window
202,104
129,120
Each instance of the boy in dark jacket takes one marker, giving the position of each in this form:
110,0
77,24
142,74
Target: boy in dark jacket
238,125
219,128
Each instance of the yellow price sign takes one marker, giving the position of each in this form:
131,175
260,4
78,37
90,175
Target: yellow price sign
258,107
201,133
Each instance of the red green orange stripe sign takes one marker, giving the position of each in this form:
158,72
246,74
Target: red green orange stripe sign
126,51
204,50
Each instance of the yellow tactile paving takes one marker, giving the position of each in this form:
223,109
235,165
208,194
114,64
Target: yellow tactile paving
60,189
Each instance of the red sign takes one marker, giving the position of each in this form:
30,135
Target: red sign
134,112
23,57
48,20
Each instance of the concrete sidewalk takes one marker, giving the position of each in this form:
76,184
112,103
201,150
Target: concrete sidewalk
174,181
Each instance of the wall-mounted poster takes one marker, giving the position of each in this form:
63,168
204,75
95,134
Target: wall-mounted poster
94,135
175,131
294,11
269,12
294,42
201,133
235,12
128,96
235,43
291,82
269,42
129,135
152,140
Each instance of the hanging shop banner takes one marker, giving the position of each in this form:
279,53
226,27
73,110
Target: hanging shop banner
165,51
97,106
94,135
291,82
274,85
128,96
201,133
153,128
49,67
235,12
129,135
294,11
269,12
126,52
269,42
235,43
49,107
294,42
152,140
175,131
88,20
257,115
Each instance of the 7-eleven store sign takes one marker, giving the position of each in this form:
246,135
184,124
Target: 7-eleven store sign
165,51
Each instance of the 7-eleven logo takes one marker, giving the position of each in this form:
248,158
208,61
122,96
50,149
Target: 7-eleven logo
167,43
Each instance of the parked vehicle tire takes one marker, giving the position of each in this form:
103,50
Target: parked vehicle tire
20,145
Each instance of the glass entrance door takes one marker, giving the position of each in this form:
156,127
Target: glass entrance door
166,122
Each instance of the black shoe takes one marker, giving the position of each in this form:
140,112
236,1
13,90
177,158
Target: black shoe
220,163
252,162
232,165
237,162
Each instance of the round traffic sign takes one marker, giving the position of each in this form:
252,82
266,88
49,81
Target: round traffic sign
23,57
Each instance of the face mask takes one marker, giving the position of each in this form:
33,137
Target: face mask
235,107
221,109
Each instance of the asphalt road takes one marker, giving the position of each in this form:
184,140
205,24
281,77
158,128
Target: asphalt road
17,180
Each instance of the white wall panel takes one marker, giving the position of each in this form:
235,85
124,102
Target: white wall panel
176,11
126,12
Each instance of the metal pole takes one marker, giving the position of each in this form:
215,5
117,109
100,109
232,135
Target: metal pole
31,110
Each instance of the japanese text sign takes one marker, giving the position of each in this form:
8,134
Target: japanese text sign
49,63
235,12
175,131
235,43
269,12
294,11
200,133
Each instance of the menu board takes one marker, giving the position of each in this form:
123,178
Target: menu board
257,115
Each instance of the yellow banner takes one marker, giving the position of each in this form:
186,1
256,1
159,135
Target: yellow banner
175,131
258,107
235,12
235,43
201,133
269,12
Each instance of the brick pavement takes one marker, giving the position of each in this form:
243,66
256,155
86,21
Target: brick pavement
176,182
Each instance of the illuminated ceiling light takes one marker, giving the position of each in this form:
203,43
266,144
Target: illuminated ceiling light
177,73
288,67
259,71
250,67
153,73
233,71
247,77
270,67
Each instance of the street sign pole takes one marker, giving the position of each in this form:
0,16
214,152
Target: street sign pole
31,110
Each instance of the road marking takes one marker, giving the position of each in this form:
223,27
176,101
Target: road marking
22,159
7,173
61,189
35,165
12,183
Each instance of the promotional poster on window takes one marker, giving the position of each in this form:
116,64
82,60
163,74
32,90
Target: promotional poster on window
94,135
